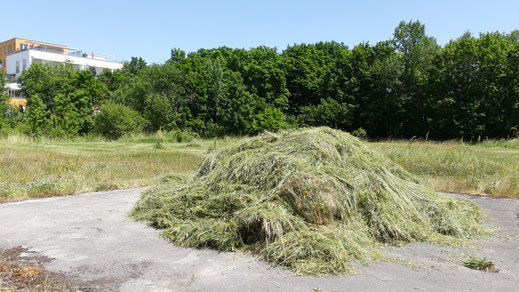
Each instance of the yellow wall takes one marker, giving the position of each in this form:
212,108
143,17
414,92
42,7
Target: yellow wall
13,45
5,48
16,102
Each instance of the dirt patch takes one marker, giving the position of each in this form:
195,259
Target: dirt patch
22,270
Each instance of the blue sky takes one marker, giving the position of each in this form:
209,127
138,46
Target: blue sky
122,29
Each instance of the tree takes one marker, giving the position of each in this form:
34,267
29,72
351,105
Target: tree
157,92
66,119
3,79
310,68
114,80
474,88
177,56
37,116
135,65
329,113
43,80
236,110
417,52
513,36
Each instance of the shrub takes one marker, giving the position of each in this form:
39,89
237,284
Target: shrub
115,120
272,119
180,136
360,133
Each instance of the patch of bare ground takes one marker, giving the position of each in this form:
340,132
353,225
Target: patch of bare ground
22,270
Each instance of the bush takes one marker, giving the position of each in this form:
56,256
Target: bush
360,133
180,137
115,120
272,119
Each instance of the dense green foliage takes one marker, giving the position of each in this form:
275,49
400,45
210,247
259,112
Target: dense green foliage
115,120
61,100
407,86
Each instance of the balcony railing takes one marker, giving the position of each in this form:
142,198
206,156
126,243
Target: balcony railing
49,49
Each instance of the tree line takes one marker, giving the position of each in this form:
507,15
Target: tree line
407,86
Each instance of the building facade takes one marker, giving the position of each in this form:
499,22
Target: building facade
18,55
18,62
16,44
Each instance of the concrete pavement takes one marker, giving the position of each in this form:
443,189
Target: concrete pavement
90,239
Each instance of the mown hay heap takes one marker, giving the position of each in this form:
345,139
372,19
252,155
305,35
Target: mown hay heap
313,200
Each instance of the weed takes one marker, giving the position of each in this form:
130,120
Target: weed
158,145
480,264
46,167
180,137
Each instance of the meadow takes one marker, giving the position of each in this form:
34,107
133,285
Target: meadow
32,169
489,167
45,167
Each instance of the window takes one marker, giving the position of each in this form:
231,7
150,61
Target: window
24,64
17,67
93,70
23,47
5,50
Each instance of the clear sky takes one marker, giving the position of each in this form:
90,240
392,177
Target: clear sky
122,29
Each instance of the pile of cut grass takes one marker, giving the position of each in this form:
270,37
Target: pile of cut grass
314,200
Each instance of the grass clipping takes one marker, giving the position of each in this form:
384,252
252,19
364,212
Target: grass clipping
314,200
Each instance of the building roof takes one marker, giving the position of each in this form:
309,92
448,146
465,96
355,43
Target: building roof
13,86
38,42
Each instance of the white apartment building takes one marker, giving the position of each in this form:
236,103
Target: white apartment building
19,61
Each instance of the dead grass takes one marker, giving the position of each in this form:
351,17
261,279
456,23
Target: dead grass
18,275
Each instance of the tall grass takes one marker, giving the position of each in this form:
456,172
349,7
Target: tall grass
30,169
490,167
33,168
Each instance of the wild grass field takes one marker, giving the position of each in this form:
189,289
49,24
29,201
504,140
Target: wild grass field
490,167
30,169
39,168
